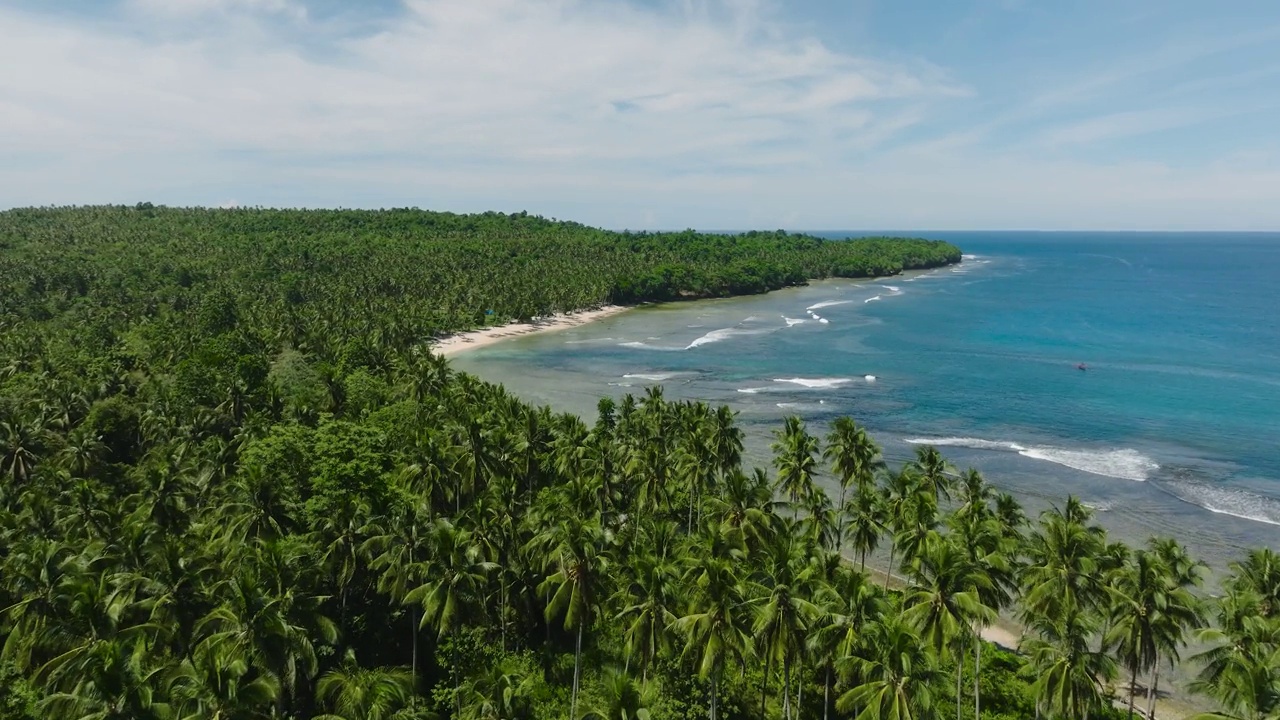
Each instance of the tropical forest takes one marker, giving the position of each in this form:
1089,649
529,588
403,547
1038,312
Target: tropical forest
236,483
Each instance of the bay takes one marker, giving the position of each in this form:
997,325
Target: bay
1173,429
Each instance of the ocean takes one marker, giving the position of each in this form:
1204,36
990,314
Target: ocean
1173,429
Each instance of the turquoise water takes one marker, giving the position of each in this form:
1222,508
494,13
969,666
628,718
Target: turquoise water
1174,428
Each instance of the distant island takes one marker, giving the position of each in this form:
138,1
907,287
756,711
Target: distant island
236,482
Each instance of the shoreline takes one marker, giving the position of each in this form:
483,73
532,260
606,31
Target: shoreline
473,339
467,340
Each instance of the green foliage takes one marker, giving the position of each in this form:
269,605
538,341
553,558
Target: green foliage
17,698
235,484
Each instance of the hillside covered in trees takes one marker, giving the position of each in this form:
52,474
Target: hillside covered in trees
235,484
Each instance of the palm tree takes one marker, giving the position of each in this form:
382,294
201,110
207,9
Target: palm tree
716,629
903,496
893,678
979,533
1137,600
648,599
854,457
745,510
1183,612
455,580
1063,570
946,598
500,692
934,471
1260,573
351,692
622,698
576,559
1069,674
783,609
262,628
846,604
1241,669
864,518
793,456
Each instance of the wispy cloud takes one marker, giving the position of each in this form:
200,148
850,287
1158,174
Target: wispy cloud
1114,126
717,113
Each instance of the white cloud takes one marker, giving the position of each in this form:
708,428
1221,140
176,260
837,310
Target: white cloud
492,79
1124,124
192,8
706,113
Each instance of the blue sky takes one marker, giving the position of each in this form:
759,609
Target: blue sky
811,114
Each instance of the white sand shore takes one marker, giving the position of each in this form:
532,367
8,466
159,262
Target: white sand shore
462,342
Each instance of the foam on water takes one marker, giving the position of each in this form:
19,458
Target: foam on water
815,383
793,321
1123,464
653,377
717,336
893,289
1229,501
647,346
871,299
753,390
824,321
828,303
1126,464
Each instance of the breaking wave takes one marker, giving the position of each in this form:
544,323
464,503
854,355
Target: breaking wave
654,377
1229,501
828,303
1123,464
815,383
871,299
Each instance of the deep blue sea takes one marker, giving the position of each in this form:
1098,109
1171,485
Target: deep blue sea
1173,429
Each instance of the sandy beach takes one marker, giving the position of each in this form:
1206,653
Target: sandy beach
462,342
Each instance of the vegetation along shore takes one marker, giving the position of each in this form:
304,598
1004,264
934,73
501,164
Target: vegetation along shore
236,482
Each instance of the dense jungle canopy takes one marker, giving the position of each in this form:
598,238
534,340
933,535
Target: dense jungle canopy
235,483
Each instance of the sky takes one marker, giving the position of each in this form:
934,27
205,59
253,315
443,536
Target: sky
656,114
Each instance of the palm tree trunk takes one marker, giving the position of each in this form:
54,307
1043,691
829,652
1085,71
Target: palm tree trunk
893,547
864,560
714,676
764,683
959,681
1153,691
786,688
843,521
1133,689
577,673
826,696
977,671
799,696
502,608
413,620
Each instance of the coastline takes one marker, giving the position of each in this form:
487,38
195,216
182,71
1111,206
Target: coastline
461,342
473,339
